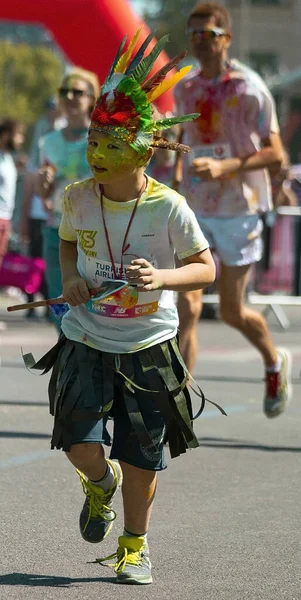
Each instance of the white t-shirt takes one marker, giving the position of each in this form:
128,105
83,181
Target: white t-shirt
8,181
163,224
236,112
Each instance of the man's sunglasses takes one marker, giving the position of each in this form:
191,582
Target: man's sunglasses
64,92
201,35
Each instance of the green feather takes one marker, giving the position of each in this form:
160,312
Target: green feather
139,56
166,123
116,59
141,143
144,68
131,88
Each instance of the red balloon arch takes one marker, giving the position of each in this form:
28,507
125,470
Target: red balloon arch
88,31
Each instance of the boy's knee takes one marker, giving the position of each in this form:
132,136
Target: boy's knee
85,451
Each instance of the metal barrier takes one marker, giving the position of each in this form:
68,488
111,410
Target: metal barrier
276,280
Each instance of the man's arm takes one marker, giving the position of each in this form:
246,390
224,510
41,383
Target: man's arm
270,156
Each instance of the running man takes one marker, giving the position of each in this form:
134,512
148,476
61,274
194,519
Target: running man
225,180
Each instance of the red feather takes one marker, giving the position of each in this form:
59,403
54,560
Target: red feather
118,111
160,75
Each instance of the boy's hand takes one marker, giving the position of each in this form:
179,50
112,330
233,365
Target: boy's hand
142,273
75,291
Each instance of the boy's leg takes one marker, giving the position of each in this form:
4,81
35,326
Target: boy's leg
232,285
139,465
138,491
89,458
100,479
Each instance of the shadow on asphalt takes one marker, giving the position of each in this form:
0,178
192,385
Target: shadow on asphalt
30,579
243,445
25,403
24,434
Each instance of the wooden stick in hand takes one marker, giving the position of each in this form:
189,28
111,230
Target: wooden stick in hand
36,304
49,301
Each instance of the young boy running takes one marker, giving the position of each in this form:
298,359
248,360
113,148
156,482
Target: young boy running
122,358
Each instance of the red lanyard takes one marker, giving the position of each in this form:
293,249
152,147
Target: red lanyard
125,246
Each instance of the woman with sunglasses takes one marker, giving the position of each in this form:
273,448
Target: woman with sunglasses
63,160
225,180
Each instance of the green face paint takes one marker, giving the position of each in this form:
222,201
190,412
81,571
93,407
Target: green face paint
109,158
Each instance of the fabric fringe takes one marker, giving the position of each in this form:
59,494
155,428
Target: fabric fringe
162,368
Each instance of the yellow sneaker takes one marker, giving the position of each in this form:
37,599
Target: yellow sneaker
97,516
132,564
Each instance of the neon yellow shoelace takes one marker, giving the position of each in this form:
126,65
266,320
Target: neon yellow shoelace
123,557
97,507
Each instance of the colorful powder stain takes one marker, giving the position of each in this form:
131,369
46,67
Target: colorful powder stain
209,122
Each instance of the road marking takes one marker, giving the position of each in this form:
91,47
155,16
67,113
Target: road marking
230,410
23,459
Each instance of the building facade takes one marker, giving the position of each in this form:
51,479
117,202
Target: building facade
266,33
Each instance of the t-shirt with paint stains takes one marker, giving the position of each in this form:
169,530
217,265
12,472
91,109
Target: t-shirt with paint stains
236,113
69,160
162,226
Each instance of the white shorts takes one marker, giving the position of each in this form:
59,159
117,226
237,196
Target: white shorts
236,240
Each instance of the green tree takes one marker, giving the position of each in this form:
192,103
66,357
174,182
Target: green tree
29,76
171,17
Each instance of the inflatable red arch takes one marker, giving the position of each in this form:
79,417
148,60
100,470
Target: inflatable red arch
88,31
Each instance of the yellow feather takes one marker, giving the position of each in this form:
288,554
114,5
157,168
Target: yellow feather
125,57
166,85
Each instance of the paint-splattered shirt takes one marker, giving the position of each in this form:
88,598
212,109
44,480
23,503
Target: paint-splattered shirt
162,226
236,113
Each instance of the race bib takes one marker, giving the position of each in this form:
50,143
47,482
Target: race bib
216,151
127,302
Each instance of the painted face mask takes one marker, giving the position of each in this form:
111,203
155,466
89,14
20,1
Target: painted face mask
109,158
124,107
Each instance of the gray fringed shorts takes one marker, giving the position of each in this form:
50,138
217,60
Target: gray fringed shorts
144,392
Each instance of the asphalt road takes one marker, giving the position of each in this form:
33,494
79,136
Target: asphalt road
226,524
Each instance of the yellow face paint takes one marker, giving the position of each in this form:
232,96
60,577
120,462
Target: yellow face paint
109,158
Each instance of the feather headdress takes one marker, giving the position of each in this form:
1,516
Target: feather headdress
124,107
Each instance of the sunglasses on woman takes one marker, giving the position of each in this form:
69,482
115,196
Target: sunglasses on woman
64,92
201,35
